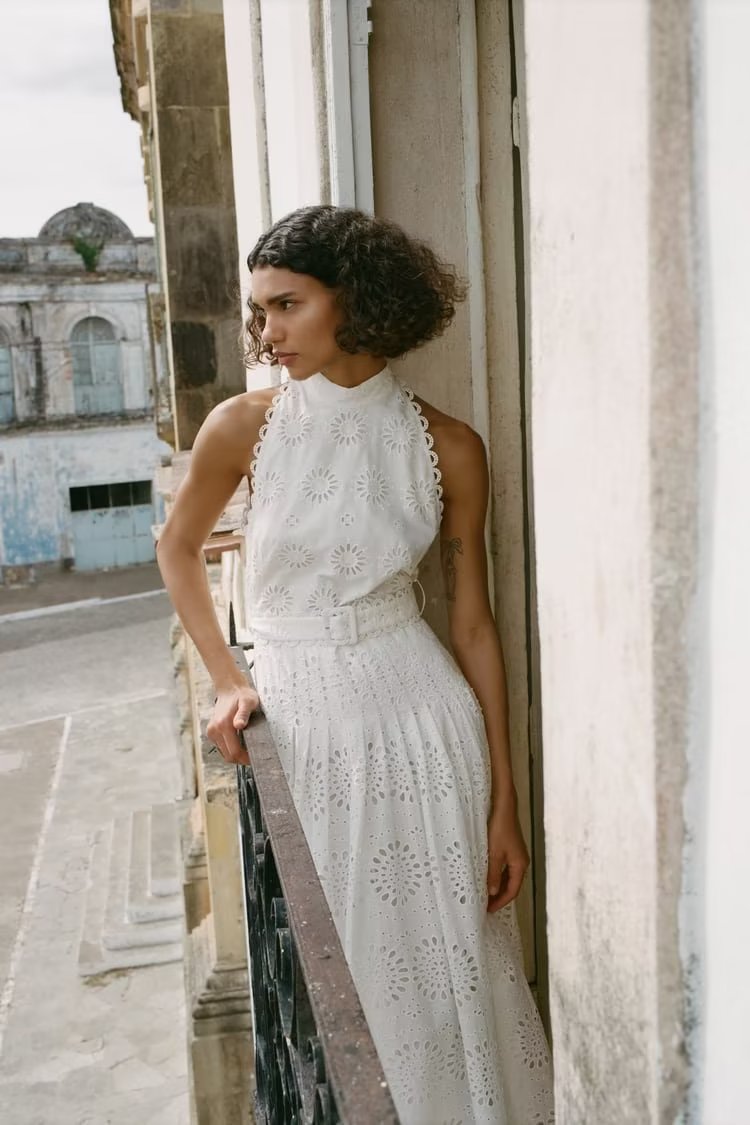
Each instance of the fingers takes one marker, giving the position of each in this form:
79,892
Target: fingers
227,740
235,749
509,888
231,748
504,882
495,866
244,710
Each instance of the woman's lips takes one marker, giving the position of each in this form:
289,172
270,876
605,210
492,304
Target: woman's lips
284,357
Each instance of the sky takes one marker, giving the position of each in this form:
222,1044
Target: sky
64,136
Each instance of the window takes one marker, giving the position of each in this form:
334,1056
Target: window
7,398
96,367
129,494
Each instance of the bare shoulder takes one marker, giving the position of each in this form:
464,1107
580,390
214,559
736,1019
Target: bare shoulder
461,454
232,428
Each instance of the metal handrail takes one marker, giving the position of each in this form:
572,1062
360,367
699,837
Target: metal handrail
315,1061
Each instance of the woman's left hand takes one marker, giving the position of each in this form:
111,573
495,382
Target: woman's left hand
508,857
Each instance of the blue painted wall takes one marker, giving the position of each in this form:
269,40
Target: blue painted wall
38,470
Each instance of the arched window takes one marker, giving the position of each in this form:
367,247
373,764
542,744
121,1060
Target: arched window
7,398
96,367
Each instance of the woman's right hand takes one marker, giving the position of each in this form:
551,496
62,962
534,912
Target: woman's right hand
232,710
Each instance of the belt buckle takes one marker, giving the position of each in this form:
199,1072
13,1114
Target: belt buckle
341,625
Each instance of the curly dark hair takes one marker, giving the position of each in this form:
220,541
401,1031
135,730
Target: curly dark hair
394,291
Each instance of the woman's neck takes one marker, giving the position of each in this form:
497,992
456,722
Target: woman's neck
351,370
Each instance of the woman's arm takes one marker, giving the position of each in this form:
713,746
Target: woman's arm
219,459
476,643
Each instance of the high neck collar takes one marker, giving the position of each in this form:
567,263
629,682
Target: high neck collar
318,388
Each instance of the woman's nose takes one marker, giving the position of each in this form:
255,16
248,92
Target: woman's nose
270,334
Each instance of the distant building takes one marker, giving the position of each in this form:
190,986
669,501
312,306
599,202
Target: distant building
80,371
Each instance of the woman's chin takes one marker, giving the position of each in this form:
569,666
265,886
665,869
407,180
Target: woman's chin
299,371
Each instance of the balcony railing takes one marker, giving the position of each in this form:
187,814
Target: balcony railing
315,1061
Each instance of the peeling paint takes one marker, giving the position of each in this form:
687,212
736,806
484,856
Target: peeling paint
38,470
47,449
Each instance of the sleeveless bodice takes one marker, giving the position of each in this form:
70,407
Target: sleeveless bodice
346,496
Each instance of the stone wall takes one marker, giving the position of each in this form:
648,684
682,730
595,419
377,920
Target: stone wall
49,256
194,208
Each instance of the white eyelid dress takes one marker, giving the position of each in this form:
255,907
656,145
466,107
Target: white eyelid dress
383,744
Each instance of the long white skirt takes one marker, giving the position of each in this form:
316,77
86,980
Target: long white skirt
384,747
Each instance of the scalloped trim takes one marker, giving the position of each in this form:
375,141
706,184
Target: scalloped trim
430,442
256,453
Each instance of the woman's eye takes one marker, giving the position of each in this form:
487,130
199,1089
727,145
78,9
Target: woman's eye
286,304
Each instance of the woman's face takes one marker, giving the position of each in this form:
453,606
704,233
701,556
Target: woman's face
301,319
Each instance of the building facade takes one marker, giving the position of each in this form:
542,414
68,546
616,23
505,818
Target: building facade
586,168
79,367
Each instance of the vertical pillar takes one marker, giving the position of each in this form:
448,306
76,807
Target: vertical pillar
195,211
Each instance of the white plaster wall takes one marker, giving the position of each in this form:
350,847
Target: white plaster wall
588,214
290,105
37,469
246,110
726,1092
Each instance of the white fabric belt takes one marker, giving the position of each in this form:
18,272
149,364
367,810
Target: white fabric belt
344,625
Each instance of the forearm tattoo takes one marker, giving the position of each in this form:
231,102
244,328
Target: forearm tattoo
449,548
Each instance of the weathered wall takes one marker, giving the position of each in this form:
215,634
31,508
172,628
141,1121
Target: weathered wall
511,550
616,461
47,311
723,790
38,469
195,208
419,171
50,256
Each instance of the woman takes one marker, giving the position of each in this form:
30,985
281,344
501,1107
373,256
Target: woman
396,755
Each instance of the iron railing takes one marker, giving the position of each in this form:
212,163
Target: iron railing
315,1061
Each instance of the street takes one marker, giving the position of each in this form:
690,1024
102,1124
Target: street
87,736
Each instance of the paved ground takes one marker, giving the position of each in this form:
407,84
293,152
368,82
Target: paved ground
54,586
86,734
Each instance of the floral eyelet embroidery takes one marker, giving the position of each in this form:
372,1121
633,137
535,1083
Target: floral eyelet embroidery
322,598
295,556
268,489
372,486
276,600
294,429
418,498
398,435
396,558
320,485
347,428
429,439
348,559
253,488
395,873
